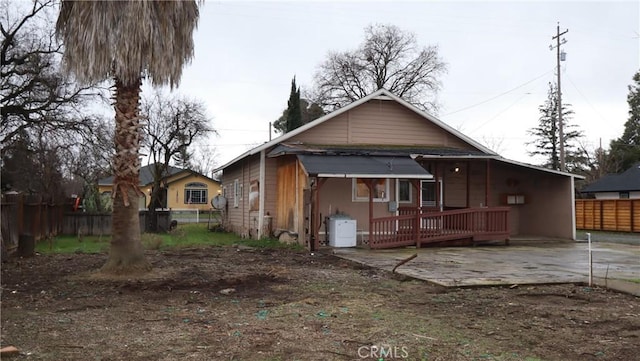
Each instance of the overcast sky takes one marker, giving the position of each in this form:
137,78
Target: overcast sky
498,56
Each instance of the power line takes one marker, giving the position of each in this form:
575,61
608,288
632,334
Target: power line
500,112
499,95
585,98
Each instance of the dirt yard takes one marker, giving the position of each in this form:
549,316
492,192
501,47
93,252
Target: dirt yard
251,304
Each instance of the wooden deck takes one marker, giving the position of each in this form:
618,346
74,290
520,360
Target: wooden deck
419,227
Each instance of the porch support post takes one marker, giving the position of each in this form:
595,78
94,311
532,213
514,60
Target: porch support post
468,170
416,186
416,222
487,184
438,191
369,184
315,224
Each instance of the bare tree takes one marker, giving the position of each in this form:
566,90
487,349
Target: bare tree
204,159
89,160
34,93
173,124
388,58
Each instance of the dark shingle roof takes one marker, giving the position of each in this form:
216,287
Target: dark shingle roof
146,175
352,166
370,150
623,182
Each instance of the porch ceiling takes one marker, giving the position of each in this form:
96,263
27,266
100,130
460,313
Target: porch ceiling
355,166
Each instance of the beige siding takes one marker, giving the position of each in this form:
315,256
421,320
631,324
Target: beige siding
547,211
234,217
239,219
336,195
478,184
333,131
380,122
455,185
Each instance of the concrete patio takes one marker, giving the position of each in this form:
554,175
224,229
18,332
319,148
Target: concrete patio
616,266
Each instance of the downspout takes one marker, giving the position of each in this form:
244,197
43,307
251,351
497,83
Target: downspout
261,194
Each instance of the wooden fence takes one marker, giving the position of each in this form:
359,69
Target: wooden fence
620,215
26,219
99,224
28,215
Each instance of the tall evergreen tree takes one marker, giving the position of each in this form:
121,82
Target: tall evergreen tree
310,112
547,138
625,151
294,113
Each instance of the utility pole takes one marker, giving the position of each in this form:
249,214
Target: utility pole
560,125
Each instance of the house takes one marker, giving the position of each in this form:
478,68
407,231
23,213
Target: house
185,189
404,176
625,185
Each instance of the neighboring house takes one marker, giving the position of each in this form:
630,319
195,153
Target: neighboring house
402,174
625,185
185,189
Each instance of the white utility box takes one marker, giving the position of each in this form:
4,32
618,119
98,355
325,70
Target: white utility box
342,232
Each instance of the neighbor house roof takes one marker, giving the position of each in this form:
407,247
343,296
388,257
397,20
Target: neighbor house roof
146,175
623,182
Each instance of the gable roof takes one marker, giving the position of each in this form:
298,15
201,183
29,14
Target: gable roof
381,94
384,94
146,175
627,181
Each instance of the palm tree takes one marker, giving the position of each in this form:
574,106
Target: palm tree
124,41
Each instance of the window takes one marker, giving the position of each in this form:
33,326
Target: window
361,191
236,193
195,193
624,195
428,193
404,191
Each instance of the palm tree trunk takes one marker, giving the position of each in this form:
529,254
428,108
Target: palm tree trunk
126,255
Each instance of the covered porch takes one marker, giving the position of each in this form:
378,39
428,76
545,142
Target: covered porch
425,219
419,197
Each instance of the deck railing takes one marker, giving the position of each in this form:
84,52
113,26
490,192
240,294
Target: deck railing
419,227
